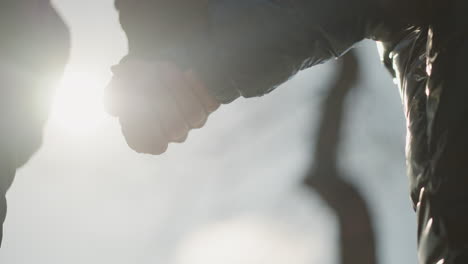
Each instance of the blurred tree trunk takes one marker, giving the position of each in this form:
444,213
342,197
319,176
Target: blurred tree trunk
357,238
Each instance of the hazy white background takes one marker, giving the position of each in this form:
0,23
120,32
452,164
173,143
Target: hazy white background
231,194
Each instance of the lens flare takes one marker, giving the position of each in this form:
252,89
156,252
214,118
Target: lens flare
78,104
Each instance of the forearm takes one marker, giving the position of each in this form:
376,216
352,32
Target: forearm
33,52
185,50
246,47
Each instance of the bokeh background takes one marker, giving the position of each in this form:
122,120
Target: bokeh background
231,194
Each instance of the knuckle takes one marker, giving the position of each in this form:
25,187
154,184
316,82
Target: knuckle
212,106
199,120
176,131
136,137
146,145
158,150
133,141
181,139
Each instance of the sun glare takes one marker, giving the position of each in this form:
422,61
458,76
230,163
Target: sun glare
78,102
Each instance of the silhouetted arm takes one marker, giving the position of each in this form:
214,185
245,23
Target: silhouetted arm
242,47
34,47
230,48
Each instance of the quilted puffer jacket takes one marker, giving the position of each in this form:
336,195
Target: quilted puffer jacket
249,47
34,48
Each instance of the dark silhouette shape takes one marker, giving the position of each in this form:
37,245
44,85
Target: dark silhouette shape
7,174
34,49
357,237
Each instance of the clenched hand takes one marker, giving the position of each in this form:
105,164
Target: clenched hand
157,103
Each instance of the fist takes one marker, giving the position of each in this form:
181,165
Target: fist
157,103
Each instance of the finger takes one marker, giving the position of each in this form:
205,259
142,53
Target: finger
114,98
129,81
208,101
191,108
181,139
143,136
141,125
166,109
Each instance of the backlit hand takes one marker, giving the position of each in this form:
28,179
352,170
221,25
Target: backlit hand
157,103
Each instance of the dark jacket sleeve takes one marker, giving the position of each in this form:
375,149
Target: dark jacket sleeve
243,47
430,66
